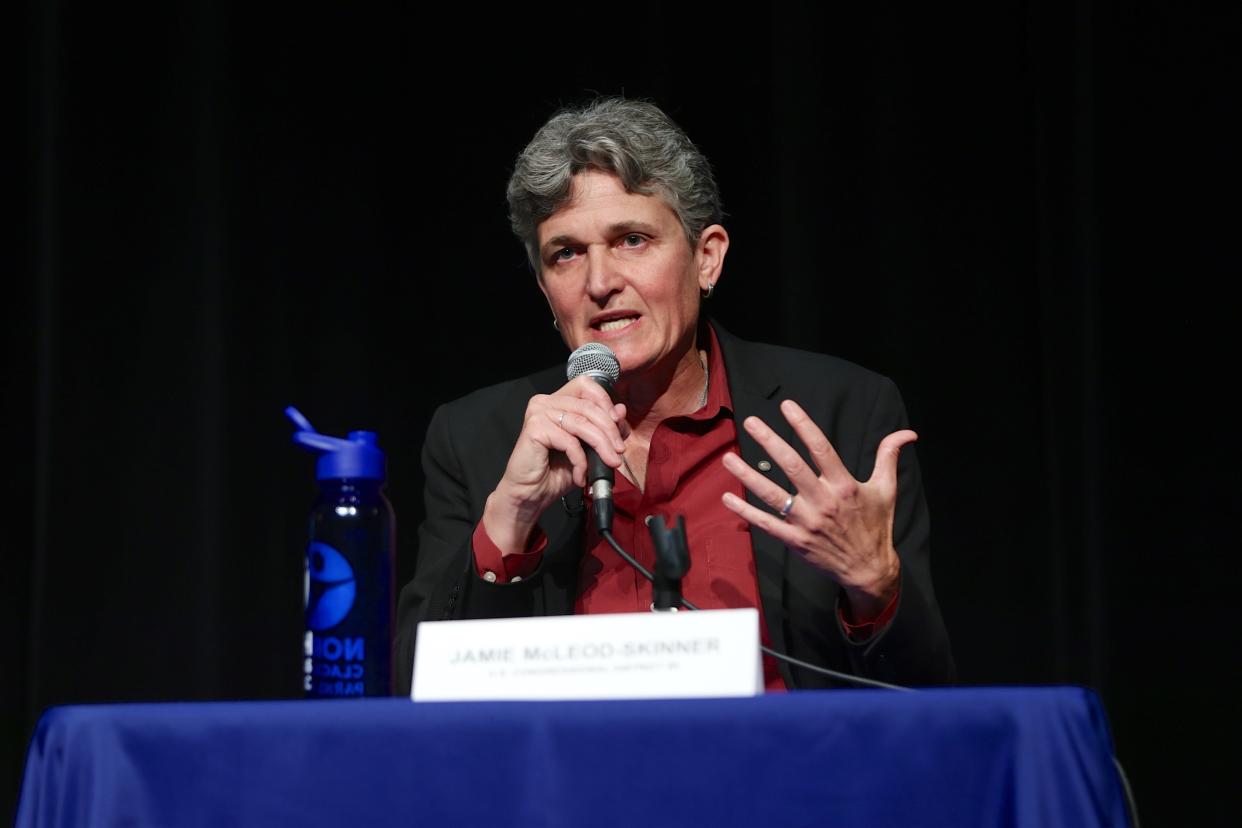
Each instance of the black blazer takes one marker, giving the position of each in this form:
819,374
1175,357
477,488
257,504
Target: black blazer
468,445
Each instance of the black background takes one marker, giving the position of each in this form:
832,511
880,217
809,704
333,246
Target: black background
1024,213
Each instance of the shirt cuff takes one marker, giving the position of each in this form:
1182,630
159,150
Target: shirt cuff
865,630
495,567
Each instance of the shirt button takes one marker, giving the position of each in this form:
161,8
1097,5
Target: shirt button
489,576
515,579
647,520
764,465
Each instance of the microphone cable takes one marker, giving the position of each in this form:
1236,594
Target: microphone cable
1131,805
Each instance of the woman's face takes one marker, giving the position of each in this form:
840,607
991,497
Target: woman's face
617,269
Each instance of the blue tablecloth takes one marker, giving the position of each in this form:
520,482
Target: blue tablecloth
961,757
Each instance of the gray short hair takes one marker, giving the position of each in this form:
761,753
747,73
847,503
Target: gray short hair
633,139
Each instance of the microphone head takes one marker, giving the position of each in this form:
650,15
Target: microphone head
596,361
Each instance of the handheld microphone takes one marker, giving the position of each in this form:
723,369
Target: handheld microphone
598,362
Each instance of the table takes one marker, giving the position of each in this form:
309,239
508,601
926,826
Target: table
959,757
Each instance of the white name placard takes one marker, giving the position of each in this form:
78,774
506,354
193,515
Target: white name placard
623,656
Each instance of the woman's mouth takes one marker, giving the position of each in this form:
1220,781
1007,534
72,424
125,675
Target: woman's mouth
616,323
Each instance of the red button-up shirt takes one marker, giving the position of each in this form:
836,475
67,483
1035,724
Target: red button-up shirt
685,476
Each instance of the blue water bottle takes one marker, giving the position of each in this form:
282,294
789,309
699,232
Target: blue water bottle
349,567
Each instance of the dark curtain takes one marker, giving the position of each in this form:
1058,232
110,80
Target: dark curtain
1019,211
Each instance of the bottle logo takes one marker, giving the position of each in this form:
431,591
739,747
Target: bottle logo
330,588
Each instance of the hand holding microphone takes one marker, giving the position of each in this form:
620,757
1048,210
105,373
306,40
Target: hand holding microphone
572,437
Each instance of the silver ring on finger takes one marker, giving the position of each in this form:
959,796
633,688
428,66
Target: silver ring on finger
788,507
560,421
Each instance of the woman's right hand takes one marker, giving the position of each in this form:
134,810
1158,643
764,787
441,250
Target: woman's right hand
548,459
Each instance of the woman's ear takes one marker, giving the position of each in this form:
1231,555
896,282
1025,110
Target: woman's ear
710,255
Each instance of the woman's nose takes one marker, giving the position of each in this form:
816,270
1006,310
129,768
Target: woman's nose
603,277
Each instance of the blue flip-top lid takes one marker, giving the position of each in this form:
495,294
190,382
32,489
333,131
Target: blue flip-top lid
355,456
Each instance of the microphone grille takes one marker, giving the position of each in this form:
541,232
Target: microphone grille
595,360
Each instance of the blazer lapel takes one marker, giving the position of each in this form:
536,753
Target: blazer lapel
754,388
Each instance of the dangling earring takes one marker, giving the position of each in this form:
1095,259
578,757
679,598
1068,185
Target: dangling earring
707,294
555,324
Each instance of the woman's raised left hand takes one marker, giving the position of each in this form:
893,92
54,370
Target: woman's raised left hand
838,524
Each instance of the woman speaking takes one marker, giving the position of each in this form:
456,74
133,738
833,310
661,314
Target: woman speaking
789,467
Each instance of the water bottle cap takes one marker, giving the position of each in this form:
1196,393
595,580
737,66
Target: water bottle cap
354,457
